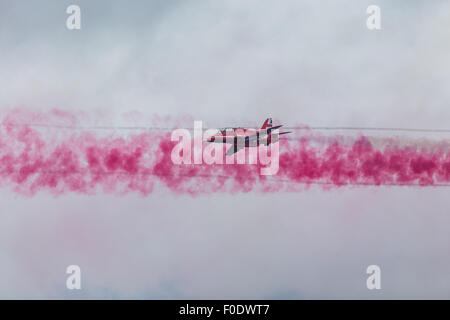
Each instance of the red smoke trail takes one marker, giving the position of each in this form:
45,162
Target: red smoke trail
57,160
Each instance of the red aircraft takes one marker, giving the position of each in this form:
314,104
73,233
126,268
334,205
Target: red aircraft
244,137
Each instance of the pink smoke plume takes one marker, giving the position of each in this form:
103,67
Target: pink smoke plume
38,155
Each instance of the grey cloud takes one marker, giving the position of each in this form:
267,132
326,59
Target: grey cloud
229,62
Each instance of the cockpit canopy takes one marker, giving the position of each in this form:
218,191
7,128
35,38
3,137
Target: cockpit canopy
230,129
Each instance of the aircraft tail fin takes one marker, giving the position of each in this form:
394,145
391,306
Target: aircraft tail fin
267,124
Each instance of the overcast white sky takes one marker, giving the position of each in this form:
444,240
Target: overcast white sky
229,63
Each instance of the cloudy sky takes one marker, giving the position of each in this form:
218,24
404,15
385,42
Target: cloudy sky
229,63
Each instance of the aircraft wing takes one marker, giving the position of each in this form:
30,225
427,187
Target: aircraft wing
233,149
262,133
